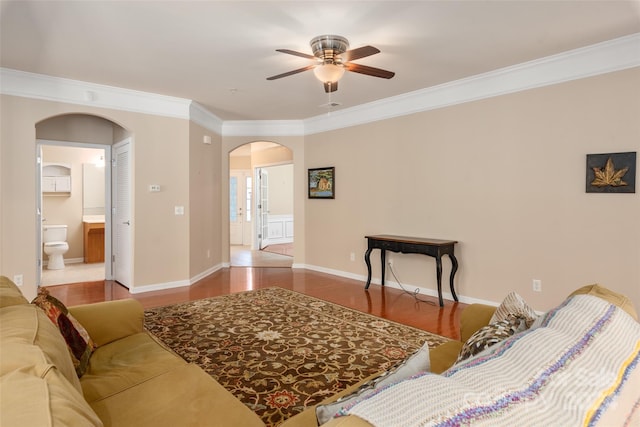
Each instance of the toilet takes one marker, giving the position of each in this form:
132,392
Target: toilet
54,238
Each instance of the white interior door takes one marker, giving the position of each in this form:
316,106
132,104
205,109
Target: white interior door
121,213
39,214
263,209
235,208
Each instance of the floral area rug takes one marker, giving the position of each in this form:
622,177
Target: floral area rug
279,351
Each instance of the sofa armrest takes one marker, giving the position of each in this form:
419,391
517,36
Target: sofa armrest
444,356
110,320
473,318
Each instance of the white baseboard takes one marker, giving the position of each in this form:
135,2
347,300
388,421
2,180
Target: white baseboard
175,284
339,273
407,286
45,262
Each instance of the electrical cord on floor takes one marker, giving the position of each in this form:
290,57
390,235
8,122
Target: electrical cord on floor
414,294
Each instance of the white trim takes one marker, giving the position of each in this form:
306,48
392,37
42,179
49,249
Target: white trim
391,284
263,127
67,261
601,58
176,284
40,86
607,57
159,287
205,118
205,273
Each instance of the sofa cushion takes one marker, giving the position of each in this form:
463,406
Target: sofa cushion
473,318
78,340
185,396
126,363
10,294
444,356
27,324
42,396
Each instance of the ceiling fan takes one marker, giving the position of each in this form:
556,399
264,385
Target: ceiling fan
331,58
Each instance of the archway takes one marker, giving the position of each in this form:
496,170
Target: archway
261,201
81,144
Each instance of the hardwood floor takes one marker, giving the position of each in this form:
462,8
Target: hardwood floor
389,303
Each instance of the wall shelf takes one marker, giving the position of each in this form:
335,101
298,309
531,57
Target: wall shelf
56,179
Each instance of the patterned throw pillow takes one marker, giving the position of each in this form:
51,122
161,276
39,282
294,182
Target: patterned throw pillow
78,340
491,334
514,304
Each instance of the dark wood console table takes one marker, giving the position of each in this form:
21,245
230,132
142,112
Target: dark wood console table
413,245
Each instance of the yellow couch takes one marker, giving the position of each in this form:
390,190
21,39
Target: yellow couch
443,357
132,380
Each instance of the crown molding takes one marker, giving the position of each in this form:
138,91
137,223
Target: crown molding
40,86
606,57
205,118
263,128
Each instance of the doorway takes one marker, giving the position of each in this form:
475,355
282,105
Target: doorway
80,147
73,194
261,205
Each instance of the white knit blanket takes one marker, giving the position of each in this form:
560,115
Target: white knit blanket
578,366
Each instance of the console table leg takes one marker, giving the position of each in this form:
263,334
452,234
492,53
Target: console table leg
454,268
383,259
439,277
367,261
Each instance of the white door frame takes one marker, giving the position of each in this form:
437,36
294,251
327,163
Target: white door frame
107,202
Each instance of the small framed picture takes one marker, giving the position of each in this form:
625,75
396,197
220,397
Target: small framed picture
322,183
611,173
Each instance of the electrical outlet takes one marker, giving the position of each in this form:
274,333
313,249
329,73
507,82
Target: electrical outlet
18,279
537,285
352,257
208,253
390,262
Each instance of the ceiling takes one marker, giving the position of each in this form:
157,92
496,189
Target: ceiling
219,53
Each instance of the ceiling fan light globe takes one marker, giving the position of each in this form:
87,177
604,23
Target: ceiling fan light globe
328,72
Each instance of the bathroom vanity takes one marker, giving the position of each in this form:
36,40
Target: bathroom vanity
93,234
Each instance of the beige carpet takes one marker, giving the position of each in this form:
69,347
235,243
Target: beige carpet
280,351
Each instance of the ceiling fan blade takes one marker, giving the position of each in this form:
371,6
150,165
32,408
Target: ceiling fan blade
358,53
293,52
330,87
290,73
369,71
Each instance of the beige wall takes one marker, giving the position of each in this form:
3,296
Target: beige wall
205,252
160,156
503,176
78,128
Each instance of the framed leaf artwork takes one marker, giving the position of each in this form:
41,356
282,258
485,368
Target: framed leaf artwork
611,173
